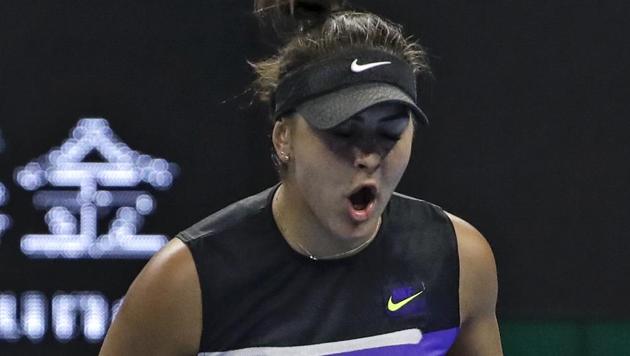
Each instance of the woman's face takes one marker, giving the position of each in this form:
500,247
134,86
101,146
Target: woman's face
345,176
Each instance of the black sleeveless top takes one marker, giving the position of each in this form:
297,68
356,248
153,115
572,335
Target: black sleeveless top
259,297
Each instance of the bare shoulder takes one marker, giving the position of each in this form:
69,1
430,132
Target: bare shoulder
475,253
478,276
161,312
478,287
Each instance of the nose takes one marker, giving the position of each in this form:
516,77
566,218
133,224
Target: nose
368,160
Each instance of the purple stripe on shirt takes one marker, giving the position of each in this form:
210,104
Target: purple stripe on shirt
436,343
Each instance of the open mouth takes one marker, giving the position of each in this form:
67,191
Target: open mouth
362,198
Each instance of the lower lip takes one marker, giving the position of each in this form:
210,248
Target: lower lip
361,215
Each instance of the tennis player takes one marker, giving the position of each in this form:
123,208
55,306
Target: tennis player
331,260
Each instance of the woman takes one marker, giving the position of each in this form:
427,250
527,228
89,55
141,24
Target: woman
330,260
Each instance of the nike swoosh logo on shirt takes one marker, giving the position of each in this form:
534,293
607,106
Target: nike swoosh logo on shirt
358,68
391,306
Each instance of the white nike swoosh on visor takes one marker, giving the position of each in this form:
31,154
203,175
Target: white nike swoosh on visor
357,68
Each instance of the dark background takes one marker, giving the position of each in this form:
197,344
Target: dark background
528,138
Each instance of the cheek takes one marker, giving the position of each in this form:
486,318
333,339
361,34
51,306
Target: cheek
315,159
397,161
311,164
318,186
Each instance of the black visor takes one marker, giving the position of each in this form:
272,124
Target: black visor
330,91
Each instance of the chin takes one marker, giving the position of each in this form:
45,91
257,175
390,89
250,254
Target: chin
348,230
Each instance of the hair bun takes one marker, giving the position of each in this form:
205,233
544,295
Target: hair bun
289,17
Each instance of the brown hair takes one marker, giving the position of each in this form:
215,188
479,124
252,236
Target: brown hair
312,29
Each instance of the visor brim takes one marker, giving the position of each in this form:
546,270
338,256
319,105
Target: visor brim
329,110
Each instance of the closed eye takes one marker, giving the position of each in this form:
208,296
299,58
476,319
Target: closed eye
344,130
390,129
390,137
343,134
393,129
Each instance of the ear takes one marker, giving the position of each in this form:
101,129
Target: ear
281,138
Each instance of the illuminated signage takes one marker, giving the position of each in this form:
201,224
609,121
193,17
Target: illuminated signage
69,316
92,182
107,179
5,221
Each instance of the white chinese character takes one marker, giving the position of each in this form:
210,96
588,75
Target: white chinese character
72,215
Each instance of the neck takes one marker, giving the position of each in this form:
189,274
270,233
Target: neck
306,234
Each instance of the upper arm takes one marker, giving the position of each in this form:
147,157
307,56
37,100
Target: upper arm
161,312
479,333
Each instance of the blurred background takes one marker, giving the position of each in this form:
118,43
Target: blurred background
142,110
